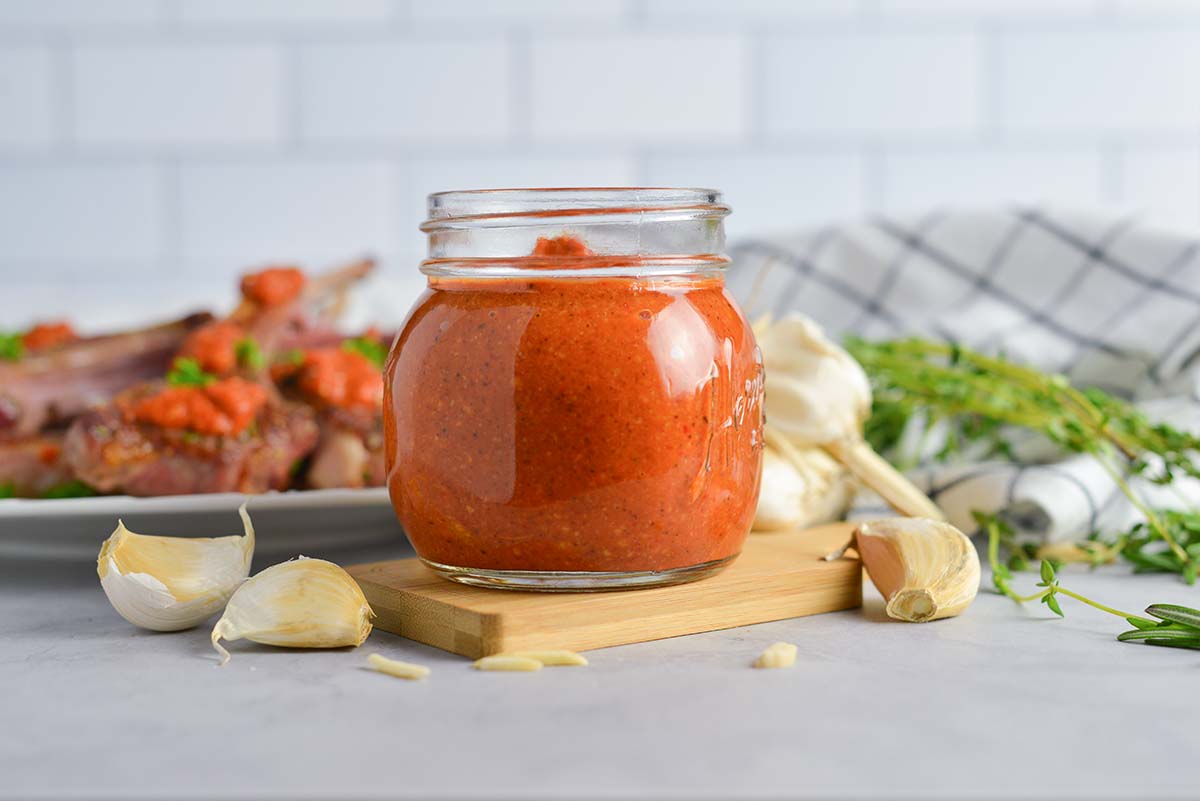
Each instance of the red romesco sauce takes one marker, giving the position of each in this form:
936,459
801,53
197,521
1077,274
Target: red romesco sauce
273,286
214,346
225,407
336,377
574,424
48,335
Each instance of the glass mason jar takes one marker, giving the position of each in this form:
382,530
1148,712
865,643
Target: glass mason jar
575,402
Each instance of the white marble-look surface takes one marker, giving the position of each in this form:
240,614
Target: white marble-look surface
1002,702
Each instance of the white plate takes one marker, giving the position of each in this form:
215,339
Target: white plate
285,523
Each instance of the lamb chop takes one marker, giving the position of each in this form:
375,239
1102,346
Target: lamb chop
224,436
48,377
344,385
217,424
281,310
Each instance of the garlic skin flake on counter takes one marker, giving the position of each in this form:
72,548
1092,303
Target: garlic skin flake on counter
173,583
304,603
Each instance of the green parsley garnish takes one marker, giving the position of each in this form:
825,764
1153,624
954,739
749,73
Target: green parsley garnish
69,489
373,349
249,354
8,490
294,357
186,372
12,347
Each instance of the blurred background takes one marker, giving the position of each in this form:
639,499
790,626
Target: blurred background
153,149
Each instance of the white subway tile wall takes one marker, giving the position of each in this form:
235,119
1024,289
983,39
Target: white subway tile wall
184,140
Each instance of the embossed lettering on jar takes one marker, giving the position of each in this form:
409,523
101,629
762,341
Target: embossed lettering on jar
575,402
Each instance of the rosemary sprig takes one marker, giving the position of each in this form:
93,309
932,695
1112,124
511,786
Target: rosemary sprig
981,395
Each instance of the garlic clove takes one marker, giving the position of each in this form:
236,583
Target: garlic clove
925,569
304,603
800,487
173,583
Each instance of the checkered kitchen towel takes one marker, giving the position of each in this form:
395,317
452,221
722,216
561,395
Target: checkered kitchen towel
1110,303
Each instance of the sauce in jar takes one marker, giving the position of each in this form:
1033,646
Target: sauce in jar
582,421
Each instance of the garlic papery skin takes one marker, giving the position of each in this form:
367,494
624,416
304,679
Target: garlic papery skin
173,583
304,603
925,569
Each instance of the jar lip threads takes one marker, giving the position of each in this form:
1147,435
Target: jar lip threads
658,229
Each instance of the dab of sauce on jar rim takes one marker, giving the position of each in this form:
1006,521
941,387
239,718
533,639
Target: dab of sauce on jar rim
578,424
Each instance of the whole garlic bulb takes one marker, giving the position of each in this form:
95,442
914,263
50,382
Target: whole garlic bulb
173,583
817,395
304,603
815,391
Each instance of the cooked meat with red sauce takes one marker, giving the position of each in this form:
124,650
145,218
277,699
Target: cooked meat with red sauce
46,388
143,444
31,467
345,387
218,425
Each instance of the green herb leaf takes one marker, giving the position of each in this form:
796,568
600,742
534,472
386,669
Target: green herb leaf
186,372
1048,574
12,347
8,490
249,354
373,349
1183,615
1161,633
1051,600
69,489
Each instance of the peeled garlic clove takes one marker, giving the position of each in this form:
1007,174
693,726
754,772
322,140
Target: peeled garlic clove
173,583
304,603
925,569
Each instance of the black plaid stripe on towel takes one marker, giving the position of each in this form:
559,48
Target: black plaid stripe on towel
1110,303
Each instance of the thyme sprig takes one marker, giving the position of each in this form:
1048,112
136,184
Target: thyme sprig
980,396
1176,626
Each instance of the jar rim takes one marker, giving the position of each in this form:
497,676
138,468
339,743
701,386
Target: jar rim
510,206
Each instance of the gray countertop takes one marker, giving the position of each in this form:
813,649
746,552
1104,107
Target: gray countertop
1002,702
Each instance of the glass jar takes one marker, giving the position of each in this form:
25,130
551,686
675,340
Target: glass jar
575,402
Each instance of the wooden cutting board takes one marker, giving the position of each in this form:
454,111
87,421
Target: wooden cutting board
777,576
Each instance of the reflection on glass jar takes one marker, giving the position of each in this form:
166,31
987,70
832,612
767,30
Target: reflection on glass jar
575,402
